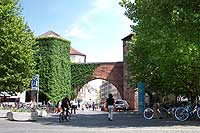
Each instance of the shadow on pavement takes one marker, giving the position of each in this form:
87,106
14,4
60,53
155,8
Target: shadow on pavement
121,120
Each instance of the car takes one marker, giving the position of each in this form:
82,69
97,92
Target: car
121,105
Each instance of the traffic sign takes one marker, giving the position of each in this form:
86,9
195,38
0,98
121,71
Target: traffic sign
35,82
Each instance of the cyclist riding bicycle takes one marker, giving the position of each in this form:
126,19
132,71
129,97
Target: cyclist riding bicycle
65,105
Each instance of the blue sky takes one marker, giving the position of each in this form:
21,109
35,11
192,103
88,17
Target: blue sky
94,27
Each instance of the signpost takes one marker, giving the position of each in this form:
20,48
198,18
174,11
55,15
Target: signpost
35,85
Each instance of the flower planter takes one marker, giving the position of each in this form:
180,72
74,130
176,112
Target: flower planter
3,113
22,116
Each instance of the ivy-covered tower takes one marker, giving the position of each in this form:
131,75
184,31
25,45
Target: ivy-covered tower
54,66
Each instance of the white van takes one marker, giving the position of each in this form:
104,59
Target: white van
121,105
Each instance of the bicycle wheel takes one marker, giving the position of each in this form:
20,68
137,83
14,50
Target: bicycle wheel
198,112
181,114
61,117
69,116
148,113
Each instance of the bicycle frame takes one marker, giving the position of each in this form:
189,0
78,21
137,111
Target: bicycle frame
162,111
64,115
188,111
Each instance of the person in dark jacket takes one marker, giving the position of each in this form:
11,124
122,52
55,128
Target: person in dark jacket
65,105
110,106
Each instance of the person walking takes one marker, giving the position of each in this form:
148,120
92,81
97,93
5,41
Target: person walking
74,106
58,107
93,106
110,106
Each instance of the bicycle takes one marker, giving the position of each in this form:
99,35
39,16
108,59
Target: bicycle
148,113
63,116
164,112
189,111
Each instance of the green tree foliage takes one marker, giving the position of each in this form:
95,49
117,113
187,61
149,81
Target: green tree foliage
16,54
81,74
165,53
54,67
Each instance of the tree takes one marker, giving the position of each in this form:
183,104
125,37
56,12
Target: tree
16,54
165,51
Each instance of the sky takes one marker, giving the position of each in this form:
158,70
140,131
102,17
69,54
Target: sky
94,27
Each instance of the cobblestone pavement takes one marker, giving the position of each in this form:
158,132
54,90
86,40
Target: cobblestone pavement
96,121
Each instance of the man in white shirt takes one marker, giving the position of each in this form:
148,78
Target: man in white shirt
74,106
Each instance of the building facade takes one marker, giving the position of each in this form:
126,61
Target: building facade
76,56
88,94
107,88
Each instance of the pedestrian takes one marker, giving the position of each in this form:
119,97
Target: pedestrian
93,106
49,106
58,107
110,106
74,106
79,104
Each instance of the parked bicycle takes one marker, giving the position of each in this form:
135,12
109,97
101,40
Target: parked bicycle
164,111
148,113
64,116
189,111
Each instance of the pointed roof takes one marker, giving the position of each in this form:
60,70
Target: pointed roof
128,37
75,52
54,34
50,34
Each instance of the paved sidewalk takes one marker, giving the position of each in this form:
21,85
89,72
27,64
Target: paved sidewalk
96,122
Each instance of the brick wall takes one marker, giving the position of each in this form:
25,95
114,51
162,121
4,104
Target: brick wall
111,72
130,94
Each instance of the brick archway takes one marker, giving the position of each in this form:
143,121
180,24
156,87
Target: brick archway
111,72
114,72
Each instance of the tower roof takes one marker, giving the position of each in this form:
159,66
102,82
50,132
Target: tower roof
75,52
50,34
54,34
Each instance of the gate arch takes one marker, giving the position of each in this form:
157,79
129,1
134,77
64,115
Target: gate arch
109,71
